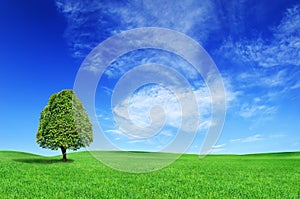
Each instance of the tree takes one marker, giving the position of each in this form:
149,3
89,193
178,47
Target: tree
64,124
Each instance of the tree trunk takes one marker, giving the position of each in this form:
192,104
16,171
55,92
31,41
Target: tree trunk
64,153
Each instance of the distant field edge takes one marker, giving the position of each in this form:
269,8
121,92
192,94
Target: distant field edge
285,153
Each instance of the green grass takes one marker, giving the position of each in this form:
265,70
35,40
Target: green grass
25,175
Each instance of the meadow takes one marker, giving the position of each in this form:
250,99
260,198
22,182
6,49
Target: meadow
24,175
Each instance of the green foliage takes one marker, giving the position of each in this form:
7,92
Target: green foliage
64,123
228,176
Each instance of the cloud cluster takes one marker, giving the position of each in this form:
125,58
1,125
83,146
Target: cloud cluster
171,102
142,113
281,50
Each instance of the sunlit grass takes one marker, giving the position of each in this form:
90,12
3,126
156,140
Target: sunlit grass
217,176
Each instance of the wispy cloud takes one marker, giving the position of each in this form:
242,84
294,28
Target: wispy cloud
191,15
108,91
266,79
276,136
167,133
151,56
295,86
261,88
218,146
103,116
136,141
255,109
253,138
91,22
235,140
285,78
114,131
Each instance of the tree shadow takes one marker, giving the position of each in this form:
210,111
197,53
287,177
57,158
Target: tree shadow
41,161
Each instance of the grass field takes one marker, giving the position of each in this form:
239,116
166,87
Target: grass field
25,175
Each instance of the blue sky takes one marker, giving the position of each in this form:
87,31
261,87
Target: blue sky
254,44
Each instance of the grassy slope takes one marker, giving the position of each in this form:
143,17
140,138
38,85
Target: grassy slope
25,175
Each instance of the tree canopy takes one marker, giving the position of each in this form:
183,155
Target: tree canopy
64,123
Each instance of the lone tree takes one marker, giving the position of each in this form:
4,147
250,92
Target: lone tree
64,124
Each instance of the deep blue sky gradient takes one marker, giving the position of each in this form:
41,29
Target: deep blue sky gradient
42,45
